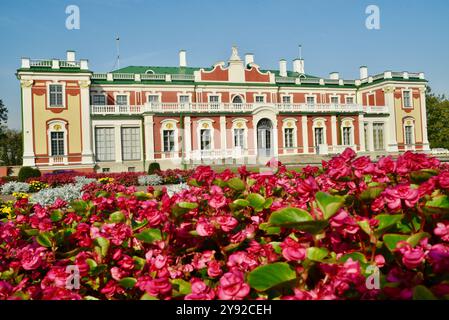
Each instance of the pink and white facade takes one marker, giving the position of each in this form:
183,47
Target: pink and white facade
232,112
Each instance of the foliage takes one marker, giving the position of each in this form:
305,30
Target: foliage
11,148
3,117
150,180
153,168
27,172
314,234
14,186
437,120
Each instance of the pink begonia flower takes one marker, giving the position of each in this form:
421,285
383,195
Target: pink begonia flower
31,257
232,286
242,260
443,180
204,227
442,230
292,250
411,257
227,223
158,286
200,291
386,165
214,269
217,199
379,260
393,197
439,257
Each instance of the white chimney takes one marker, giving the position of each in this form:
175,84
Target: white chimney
363,72
334,76
70,55
298,66
249,58
282,68
182,58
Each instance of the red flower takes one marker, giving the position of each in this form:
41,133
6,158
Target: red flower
232,286
292,250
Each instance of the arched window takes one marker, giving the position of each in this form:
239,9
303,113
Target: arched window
57,140
409,132
237,99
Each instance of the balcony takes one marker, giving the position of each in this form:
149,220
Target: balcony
232,108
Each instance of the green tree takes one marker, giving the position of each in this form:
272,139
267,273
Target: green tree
437,120
3,116
11,148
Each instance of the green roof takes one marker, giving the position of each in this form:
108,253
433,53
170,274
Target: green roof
291,74
156,70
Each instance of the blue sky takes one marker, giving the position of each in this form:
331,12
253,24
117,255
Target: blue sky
414,35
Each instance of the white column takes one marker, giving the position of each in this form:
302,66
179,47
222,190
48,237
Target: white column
223,136
392,143
362,132
28,151
334,131
187,137
425,140
86,153
275,137
149,136
118,143
305,134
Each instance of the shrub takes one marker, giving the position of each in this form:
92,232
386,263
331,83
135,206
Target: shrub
153,168
150,180
27,172
321,232
37,186
12,187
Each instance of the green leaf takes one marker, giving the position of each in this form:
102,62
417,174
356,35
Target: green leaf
194,182
103,243
276,247
149,235
269,229
220,183
313,227
268,203
79,206
317,254
365,226
139,262
256,201
423,175
371,193
391,240
416,238
128,282
268,276
355,256
90,298
438,205
182,286
188,205
387,220
44,239
236,184
146,296
329,204
289,217
142,196
56,215
117,217
241,202
91,263
423,293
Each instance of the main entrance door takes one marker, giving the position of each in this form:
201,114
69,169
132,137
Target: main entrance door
264,138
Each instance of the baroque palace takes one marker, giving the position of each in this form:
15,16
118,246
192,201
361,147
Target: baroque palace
234,112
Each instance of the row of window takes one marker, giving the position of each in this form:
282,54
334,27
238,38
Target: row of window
99,99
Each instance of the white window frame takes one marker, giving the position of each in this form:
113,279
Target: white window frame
96,143
344,125
258,96
122,94
51,125
410,92
350,97
210,126
139,130
290,96
158,95
234,126
334,96
374,123
169,124
295,133
307,96
324,126
409,122
63,85
92,96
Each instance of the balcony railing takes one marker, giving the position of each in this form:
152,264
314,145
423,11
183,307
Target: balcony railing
232,108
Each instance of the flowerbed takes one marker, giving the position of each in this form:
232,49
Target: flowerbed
317,234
